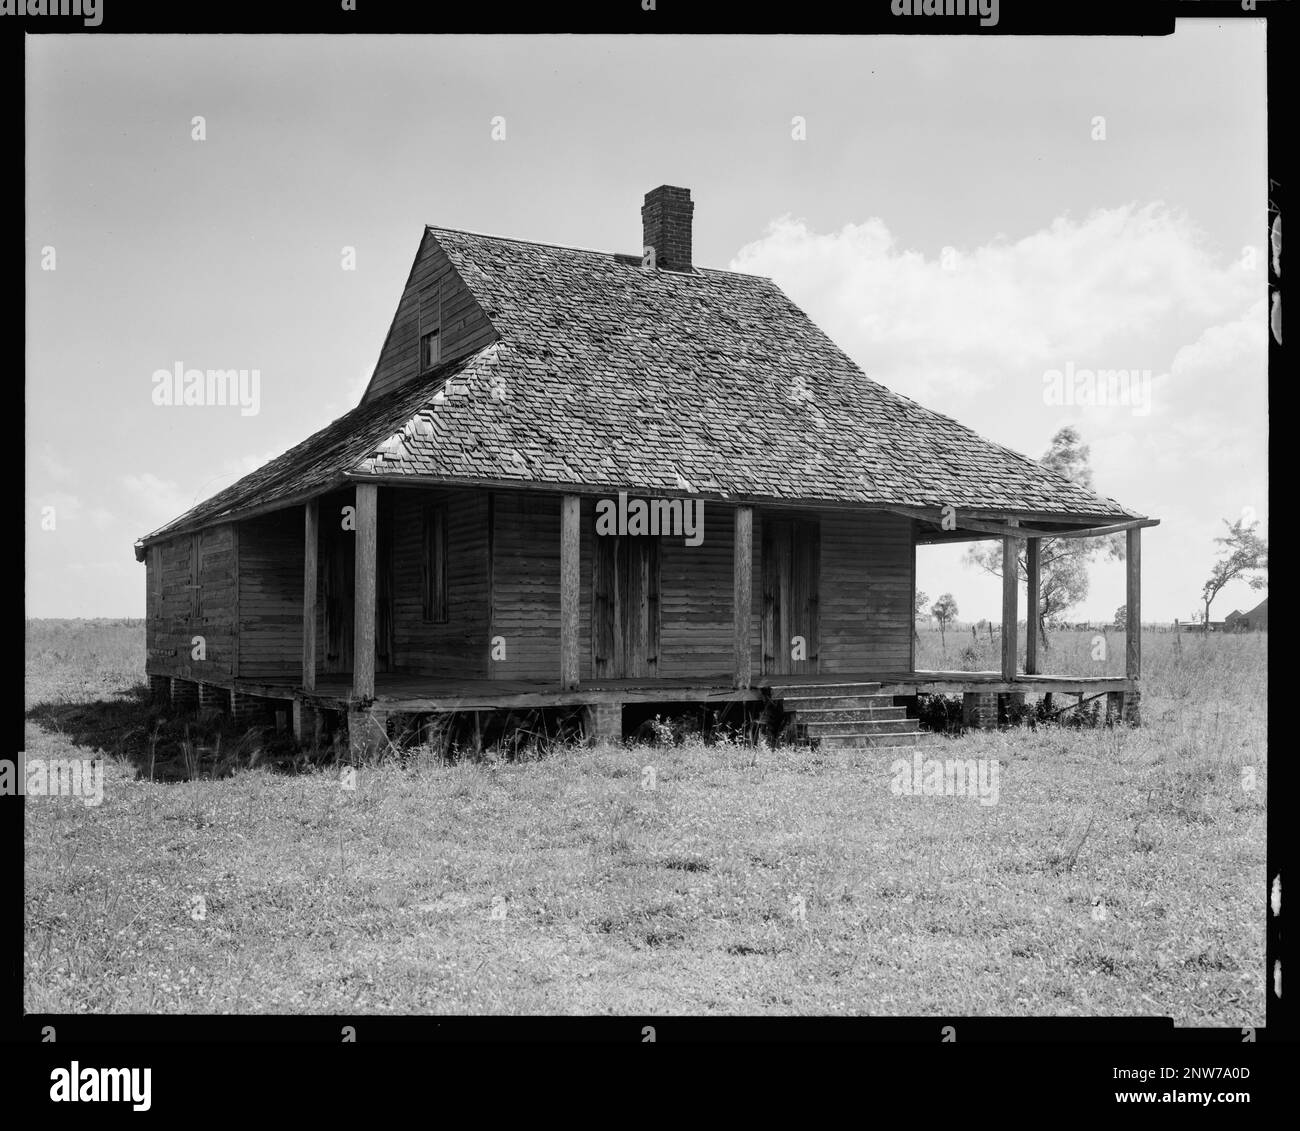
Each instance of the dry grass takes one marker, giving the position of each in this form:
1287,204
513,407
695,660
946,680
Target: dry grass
1120,873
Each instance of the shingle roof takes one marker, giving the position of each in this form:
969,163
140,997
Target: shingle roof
610,375
320,461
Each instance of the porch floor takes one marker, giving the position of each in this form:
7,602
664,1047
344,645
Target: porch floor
404,691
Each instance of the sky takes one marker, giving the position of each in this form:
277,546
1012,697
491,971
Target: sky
964,217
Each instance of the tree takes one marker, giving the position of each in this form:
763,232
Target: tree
1245,556
944,611
919,599
1062,562
1121,617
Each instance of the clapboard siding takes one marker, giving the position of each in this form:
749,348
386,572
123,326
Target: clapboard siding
695,594
270,596
191,592
504,584
695,590
866,592
464,326
460,646
526,587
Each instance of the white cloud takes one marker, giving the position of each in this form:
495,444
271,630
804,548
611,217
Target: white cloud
159,500
1101,293
1125,288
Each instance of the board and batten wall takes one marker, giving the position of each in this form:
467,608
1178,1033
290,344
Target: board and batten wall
867,581
270,597
458,647
433,290
191,583
239,586
504,584
866,584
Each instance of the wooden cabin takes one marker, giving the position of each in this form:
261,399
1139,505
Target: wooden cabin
581,478
1254,621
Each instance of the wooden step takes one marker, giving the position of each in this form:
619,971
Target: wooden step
821,690
847,714
821,702
845,726
876,741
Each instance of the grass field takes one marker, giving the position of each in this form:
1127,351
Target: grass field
1121,871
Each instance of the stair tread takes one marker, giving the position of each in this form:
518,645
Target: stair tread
877,711
841,688
834,698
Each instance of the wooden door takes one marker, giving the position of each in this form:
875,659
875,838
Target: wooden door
337,569
791,576
337,579
625,607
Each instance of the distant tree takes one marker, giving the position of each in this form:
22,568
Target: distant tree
1062,562
944,612
1121,617
1244,555
919,598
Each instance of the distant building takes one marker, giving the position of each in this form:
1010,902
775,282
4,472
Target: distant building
1254,621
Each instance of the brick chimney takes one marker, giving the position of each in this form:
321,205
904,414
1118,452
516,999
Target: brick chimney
666,227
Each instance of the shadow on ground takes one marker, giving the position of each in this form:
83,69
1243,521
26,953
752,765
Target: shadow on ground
167,746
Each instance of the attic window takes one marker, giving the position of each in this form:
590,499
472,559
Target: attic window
430,328
429,352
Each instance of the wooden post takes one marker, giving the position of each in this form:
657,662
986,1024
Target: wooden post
1133,606
742,601
306,722
363,633
1033,569
1010,586
979,709
570,583
311,527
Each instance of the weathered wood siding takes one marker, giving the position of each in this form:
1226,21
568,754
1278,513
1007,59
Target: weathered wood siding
241,589
336,551
191,591
866,592
270,596
460,646
695,594
526,586
464,326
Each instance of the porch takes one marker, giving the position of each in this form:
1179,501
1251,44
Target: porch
429,602
861,696
396,691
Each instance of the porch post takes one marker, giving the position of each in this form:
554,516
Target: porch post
1133,605
1010,585
570,582
743,594
311,520
363,633
1033,569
